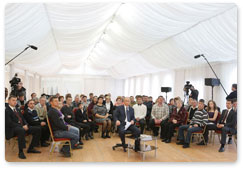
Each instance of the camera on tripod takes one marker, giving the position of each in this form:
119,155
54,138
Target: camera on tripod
187,87
14,84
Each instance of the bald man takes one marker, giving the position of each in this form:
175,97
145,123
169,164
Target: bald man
124,114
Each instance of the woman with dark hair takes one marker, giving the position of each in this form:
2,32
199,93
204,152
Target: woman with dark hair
213,113
82,117
101,116
90,108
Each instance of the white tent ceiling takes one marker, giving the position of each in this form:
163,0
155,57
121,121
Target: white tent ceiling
119,40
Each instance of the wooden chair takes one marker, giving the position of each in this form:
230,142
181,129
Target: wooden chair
219,132
199,134
58,141
212,132
14,140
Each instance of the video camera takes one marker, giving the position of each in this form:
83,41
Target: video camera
14,84
187,87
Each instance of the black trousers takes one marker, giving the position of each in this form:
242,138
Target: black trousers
141,124
225,131
91,125
148,117
167,130
45,133
155,129
209,127
83,128
35,131
135,131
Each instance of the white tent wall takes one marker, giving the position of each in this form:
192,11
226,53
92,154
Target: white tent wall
85,85
150,84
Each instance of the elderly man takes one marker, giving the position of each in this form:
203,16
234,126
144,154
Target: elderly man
124,119
41,108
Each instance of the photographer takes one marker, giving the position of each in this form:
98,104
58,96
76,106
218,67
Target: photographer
194,93
17,87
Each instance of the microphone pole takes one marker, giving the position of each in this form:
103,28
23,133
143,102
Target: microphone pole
215,74
29,46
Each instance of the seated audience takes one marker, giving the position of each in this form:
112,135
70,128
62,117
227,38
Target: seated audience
21,102
82,117
177,118
227,123
91,106
150,99
171,106
125,114
101,116
75,102
159,114
32,118
41,109
33,95
70,119
149,105
85,103
61,129
15,125
57,95
192,109
61,99
90,99
197,123
109,106
140,111
213,114
132,101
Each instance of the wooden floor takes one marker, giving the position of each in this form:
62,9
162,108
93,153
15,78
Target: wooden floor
100,150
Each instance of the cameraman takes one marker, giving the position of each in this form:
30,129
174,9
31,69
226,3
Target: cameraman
194,93
21,90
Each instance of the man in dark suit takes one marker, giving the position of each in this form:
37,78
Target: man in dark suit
123,116
233,94
33,119
227,124
15,125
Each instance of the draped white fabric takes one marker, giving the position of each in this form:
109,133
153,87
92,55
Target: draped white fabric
142,38
150,84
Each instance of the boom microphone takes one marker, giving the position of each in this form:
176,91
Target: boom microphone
197,56
33,47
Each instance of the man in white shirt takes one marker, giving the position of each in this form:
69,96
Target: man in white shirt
140,111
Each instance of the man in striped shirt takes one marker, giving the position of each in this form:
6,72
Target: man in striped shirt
197,123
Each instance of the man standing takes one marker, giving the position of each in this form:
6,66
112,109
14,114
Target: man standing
124,118
15,125
233,94
159,114
140,111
